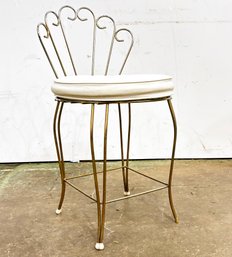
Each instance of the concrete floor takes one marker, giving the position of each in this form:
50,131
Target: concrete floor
141,226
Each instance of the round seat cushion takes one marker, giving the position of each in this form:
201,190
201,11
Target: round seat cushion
113,87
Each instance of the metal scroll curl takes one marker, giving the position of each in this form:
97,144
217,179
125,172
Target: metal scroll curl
81,18
56,23
117,38
46,30
71,18
100,26
45,35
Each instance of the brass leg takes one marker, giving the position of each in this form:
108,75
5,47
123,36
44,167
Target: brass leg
125,170
127,192
59,151
104,173
95,169
172,162
121,142
100,206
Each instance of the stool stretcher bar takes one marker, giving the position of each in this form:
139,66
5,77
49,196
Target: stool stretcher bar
117,199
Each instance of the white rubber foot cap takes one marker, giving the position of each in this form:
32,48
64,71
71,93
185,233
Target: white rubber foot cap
127,193
58,211
99,246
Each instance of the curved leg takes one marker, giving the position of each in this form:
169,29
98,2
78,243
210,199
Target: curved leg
172,162
125,170
95,169
59,151
121,142
104,174
127,192
100,206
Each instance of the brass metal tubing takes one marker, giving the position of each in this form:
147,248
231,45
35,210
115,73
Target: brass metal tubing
79,190
140,173
59,140
57,54
44,48
67,46
172,161
54,130
117,199
95,172
130,47
90,174
138,194
128,147
104,173
112,38
99,172
83,101
121,142
94,34
58,144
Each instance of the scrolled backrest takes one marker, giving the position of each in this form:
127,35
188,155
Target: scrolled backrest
56,43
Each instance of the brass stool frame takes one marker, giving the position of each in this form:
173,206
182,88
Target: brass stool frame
101,201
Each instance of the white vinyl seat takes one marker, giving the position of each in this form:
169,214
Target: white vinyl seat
113,88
